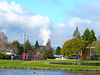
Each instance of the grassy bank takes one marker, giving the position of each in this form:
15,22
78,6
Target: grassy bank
45,64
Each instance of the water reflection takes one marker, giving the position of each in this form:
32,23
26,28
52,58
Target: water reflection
40,72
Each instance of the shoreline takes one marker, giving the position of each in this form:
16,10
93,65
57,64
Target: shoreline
52,69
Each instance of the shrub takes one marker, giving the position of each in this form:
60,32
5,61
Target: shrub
44,56
3,56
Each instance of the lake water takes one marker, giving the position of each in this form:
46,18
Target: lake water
39,72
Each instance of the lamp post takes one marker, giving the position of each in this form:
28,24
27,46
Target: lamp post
24,41
25,36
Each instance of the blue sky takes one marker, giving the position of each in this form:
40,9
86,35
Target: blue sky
54,9
48,19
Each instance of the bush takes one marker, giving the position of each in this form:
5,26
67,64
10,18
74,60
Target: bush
3,56
44,56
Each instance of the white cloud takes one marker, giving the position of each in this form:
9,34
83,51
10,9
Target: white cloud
3,30
77,21
10,7
64,31
59,25
90,13
14,19
12,15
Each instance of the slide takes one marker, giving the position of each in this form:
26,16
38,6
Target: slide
77,56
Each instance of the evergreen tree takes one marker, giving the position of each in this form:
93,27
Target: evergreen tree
91,37
86,35
57,52
76,34
27,46
36,45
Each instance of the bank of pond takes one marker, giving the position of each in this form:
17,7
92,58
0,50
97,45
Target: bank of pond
43,72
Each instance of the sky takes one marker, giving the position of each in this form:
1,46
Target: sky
48,19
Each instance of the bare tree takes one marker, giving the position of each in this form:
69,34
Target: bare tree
3,42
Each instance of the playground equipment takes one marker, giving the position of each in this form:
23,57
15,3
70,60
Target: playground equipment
77,56
90,53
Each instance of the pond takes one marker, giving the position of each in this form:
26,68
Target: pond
40,72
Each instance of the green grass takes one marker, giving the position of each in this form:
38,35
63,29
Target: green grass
45,63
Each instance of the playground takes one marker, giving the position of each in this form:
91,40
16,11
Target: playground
89,54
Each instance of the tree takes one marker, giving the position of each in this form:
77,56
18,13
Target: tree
86,35
91,37
95,43
37,47
3,42
48,50
27,46
16,47
76,34
48,45
57,52
49,53
73,46
36,44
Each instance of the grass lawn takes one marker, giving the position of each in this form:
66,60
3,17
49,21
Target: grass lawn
45,64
